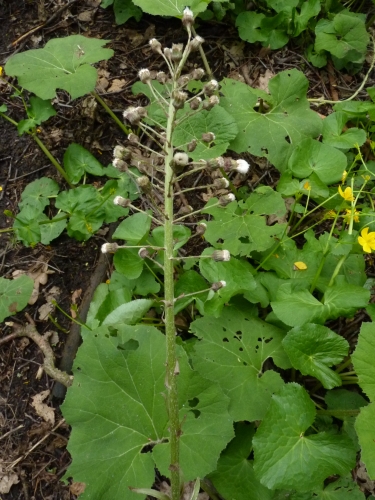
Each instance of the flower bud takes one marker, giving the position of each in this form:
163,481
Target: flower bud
176,52
226,199
214,163
188,17
134,115
208,137
210,87
161,77
201,228
133,138
122,202
196,42
221,256
192,145
179,99
144,75
121,165
109,247
195,103
155,46
144,183
185,210
143,253
219,284
221,183
180,159
210,103
168,53
242,166
197,74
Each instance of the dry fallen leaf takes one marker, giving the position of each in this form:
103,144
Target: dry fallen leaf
263,80
47,413
48,308
39,273
77,488
75,295
86,15
7,480
117,85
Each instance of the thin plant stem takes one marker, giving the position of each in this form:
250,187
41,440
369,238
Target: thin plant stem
203,56
52,159
123,127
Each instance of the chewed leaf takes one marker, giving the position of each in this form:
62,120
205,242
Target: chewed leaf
64,63
286,456
130,369
231,352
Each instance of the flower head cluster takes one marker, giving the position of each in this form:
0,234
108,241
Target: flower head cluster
348,215
367,240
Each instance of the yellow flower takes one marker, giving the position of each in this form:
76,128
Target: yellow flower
299,266
347,194
367,240
307,186
1,70
331,214
344,176
348,215
366,177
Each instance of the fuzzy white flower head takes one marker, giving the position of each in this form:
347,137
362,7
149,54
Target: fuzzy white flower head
223,283
231,197
144,75
221,256
242,166
155,45
109,247
181,159
123,202
188,17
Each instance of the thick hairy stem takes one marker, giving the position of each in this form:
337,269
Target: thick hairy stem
172,364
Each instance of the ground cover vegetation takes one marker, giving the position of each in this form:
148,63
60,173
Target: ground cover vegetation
211,354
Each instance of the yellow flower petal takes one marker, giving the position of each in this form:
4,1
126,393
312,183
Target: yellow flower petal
299,266
347,194
367,240
307,186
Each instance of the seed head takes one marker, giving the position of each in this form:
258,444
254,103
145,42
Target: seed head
195,43
210,87
192,145
188,17
134,115
201,228
221,183
214,163
197,74
155,46
183,80
176,52
133,138
180,159
242,166
221,255
121,165
161,77
208,137
179,99
143,253
219,284
144,75
226,199
109,247
144,183
122,202
195,103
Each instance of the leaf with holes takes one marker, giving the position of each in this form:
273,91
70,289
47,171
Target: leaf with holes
218,121
287,456
64,63
130,370
274,132
232,351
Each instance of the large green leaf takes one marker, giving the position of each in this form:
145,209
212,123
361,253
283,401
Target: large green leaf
64,63
345,37
274,133
123,9
286,456
14,295
133,229
312,156
129,313
37,192
117,412
365,427
232,351
333,134
77,161
38,112
171,7
363,359
242,227
234,476
218,121
312,349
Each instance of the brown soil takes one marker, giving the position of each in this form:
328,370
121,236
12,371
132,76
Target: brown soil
30,448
